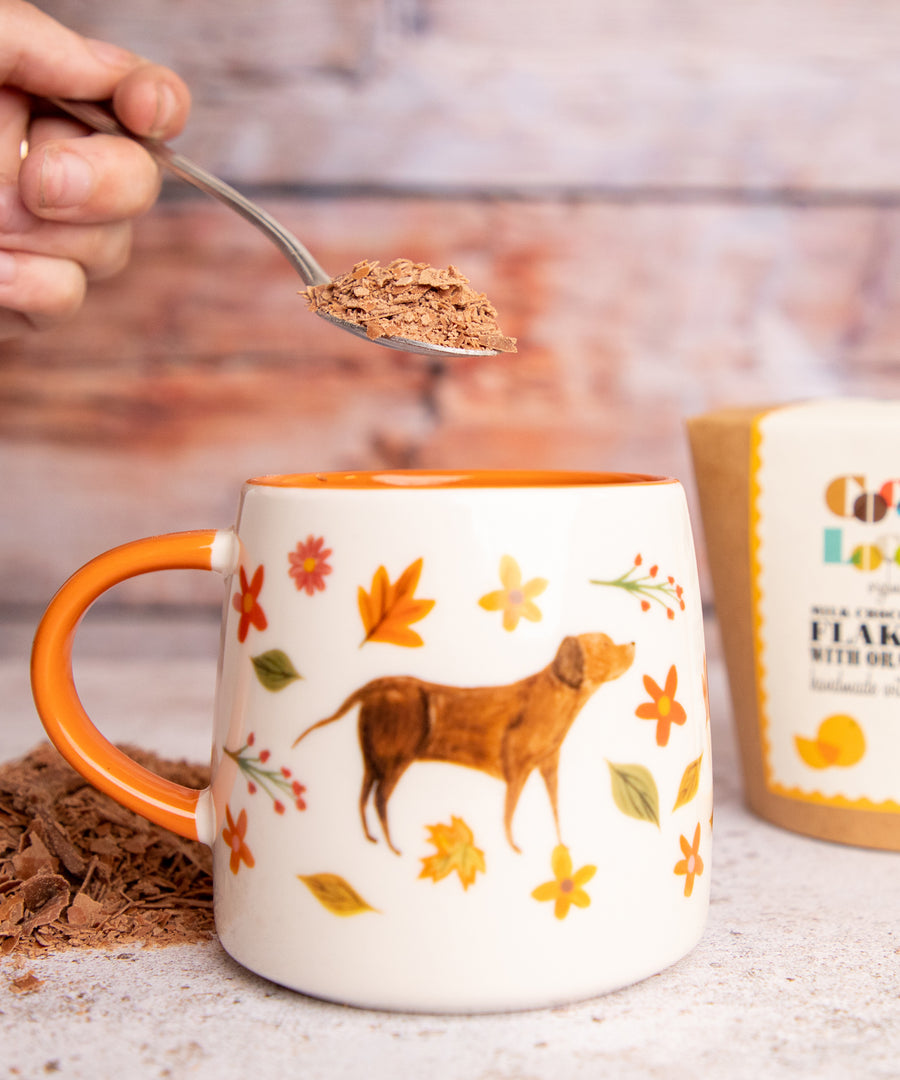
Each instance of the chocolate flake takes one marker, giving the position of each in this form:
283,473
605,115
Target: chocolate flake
79,871
26,984
415,301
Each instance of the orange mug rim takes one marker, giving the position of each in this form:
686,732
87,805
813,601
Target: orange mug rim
442,479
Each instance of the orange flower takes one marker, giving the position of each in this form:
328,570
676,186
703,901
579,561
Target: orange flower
566,888
706,689
246,602
515,600
233,835
664,709
691,865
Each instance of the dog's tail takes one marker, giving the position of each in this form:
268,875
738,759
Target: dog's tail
355,698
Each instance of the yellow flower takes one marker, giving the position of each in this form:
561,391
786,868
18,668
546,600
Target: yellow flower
515,600
566,888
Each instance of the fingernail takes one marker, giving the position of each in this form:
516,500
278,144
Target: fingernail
165,110
67,180
8,268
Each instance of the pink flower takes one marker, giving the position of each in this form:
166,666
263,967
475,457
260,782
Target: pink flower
309,566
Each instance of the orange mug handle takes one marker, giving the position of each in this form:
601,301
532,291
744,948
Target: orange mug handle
185,811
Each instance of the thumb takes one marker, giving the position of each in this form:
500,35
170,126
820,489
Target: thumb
40,56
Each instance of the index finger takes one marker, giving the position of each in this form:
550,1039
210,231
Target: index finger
41,56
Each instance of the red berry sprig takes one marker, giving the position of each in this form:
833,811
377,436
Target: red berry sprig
649,588
276,783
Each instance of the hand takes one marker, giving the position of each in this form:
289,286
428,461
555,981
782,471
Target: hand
66,208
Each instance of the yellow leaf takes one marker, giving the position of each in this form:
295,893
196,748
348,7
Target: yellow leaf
455,847
690,783
335,894
388,610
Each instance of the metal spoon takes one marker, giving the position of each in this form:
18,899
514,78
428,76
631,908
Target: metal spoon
100,119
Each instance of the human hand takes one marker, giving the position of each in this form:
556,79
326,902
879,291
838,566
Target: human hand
66,208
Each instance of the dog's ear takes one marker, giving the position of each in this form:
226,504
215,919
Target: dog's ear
568,664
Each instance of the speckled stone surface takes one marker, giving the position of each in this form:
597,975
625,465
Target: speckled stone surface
798,973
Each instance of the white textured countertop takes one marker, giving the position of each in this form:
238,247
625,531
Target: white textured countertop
798,973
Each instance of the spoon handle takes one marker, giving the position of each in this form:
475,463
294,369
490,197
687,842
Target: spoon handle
101,119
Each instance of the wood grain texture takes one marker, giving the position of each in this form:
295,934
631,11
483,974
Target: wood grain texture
425,94
200,365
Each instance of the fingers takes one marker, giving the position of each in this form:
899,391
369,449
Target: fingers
14,116
86,180
95,179
37,290
101,178
45,268
65,210
40,56
152,101
101,250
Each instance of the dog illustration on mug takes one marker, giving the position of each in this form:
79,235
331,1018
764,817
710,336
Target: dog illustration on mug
505,731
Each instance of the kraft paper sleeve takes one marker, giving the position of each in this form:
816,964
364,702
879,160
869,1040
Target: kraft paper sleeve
722,447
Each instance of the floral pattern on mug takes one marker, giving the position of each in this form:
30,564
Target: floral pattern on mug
705,687
691,865
336,894
275,670
455,850
278,783
309,565
664,709
566,887
246,602
388,609
690,784
649,587
635,792
515,599
233,834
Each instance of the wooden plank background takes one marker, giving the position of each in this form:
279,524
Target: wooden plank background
674,204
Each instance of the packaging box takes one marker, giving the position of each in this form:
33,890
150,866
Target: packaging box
801,515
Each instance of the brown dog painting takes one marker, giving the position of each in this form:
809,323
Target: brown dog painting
505,731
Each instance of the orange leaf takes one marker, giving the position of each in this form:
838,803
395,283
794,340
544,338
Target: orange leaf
388,610
455,851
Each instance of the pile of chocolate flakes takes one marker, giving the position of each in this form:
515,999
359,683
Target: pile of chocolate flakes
77,870
415,301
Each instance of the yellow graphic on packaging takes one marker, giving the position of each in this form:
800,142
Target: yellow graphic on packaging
839,741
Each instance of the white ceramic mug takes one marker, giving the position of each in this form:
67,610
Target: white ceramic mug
461,752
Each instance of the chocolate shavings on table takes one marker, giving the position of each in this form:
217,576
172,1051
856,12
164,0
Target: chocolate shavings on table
415,301
77,870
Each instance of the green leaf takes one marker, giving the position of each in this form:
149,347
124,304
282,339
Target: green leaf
634,791
274,669
690,783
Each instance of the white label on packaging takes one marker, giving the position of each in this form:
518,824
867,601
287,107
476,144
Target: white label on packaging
825,546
